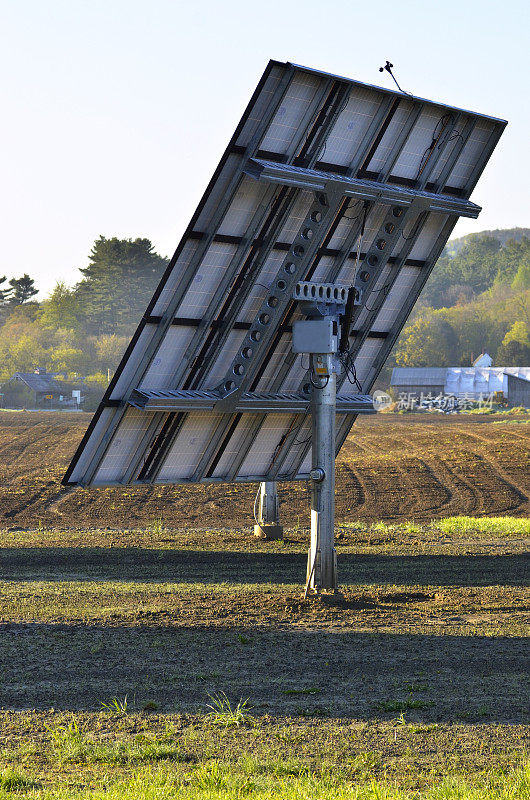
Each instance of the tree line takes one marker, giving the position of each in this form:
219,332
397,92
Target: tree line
477,298
80,330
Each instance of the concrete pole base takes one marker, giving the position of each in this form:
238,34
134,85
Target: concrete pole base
268,532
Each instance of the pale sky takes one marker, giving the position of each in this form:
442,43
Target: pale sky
116,112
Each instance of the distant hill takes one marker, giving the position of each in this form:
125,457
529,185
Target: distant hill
502,235
477,299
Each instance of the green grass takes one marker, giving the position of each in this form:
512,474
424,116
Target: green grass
157,527
511,422
215,780
13,781
116,706
497,526
223,713
71,744
496,409
280,751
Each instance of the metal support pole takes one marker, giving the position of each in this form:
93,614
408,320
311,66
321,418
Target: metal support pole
322,560
268,517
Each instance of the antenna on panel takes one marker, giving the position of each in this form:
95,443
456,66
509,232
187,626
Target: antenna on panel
388,68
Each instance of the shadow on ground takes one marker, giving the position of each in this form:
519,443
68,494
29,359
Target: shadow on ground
149,565
293,672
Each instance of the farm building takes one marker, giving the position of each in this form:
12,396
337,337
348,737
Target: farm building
418,380
40,389
518,390
471,382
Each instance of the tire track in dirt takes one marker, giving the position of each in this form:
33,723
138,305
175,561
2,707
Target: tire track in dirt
444,480
503,474
358,483
502,483
458,484
367,491
16,448
436,484
484,471
372,488
390,468
457,488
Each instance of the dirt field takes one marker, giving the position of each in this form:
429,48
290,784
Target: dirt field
392,468
163,598
418,670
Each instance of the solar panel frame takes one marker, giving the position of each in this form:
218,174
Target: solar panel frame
224,228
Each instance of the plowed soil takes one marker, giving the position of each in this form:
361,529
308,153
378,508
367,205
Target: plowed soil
391,468
431,624
161,598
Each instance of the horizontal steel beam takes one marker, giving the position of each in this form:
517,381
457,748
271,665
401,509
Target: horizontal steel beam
386,193
255,402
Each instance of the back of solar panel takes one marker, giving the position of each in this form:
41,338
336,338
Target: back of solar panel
235,247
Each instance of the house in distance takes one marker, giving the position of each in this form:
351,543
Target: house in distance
41,389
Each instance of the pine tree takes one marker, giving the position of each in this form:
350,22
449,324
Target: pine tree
118,284
5,294
22,289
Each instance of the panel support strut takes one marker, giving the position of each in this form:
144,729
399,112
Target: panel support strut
268,518
319,335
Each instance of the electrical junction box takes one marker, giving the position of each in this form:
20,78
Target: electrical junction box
316,335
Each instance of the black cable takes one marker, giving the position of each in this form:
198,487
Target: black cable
415,229
345,216
444,121
346,319
386,289
306,369
318,385
304,441
343,106
348,365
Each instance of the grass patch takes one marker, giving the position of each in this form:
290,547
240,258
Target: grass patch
511,422
385,528
223,713
406,631
13,781
116,706
88,756
217,780
498,526
71,744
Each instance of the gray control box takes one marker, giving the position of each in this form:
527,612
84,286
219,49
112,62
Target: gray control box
316,335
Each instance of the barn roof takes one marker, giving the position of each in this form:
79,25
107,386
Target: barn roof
418,376
42,382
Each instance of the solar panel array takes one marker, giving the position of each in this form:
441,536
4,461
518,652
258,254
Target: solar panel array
325,179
